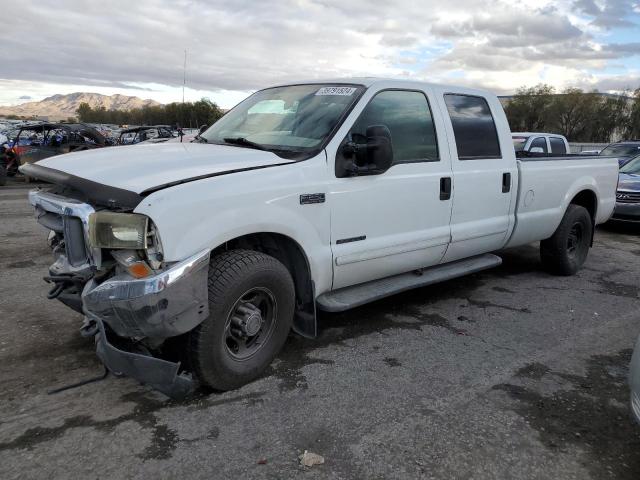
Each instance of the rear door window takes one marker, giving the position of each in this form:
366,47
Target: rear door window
540,142
557,145
473,127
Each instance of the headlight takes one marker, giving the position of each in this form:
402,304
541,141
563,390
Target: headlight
118,230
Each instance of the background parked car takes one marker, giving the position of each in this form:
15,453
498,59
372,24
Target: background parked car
146,134
625,151
628,194
634,382
540,143
36,142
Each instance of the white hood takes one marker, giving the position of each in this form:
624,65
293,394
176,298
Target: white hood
140,167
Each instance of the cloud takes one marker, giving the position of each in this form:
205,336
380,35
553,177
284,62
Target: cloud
245,45
608,13
24,97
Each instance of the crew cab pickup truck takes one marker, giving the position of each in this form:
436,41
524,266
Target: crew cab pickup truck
192,262
540,143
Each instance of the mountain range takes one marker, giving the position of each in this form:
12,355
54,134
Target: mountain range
61,107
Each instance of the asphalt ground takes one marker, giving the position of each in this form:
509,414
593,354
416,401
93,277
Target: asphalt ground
509,373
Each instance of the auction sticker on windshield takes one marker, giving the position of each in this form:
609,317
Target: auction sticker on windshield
336,91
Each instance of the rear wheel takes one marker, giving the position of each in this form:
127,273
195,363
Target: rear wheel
251,306
566,251
3,173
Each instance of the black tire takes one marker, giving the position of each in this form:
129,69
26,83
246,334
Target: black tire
566,251
3,174
221,359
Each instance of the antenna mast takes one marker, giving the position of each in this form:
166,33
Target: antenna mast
184,74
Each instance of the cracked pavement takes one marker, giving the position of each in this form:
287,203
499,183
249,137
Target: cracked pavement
509,373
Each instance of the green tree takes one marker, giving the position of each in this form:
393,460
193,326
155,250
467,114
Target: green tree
528,109
632,129
571,112
84,112
190,114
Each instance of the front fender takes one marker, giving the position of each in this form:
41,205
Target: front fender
207,213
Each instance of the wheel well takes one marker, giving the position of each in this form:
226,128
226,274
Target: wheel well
290,253
588,200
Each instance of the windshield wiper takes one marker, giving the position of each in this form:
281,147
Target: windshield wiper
244,142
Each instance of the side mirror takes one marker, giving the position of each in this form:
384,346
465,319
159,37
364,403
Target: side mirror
368,155
536,150
379,147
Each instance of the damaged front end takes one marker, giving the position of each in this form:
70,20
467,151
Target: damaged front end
131,300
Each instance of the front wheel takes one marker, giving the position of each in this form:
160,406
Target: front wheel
251,307
566,251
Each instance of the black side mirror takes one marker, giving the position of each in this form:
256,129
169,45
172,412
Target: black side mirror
370,154
379,148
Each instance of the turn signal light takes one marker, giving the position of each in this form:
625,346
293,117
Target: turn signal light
139,270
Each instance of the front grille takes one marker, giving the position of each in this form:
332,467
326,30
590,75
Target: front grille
627,197
74,241
68,218
72,232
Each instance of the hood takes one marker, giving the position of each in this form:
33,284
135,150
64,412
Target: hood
629,182
138,168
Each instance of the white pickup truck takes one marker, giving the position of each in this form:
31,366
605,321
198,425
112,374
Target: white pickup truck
540,143
311,195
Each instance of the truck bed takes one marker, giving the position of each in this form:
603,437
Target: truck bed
547,184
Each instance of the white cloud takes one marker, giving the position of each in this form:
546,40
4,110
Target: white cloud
137,47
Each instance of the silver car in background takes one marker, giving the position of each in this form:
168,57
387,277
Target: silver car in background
634,381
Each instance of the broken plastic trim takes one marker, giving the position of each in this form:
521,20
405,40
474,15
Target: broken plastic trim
159,374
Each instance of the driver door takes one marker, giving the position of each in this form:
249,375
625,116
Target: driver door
393,221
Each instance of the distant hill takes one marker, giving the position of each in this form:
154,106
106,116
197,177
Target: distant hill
61,107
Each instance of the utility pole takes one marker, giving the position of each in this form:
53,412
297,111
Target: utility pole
184,83
184,74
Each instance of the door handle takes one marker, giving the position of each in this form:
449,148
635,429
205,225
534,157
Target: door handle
506,182
445,188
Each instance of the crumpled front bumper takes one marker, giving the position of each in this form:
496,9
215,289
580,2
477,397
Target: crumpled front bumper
157,307
160,374
160,306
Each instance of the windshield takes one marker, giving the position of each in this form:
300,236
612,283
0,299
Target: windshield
519,143
289,120
632,167
621,150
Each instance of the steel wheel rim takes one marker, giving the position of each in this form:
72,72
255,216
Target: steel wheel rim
574,240
243,338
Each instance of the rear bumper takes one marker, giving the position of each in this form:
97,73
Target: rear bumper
164,305
627,212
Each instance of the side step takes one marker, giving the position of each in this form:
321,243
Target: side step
350,297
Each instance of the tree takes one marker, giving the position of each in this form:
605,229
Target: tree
84,112
609,118
580,116
190,114
528,110
571,112
632,129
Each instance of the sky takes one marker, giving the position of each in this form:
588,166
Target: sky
236,47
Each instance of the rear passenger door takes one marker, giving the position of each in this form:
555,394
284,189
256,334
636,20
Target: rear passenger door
484,171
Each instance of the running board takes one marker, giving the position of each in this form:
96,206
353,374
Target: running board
350,297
